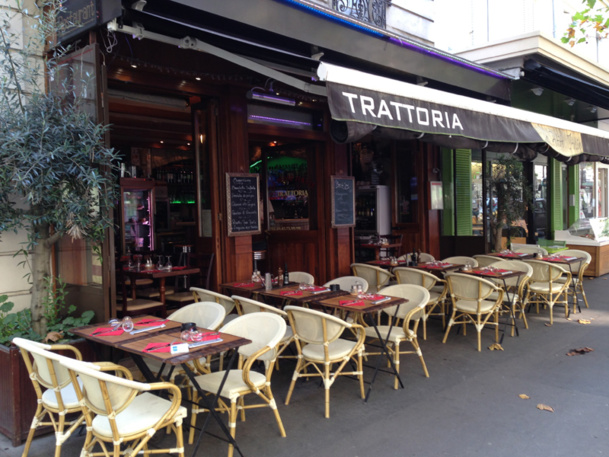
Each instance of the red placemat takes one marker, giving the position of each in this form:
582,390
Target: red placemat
107,331
351,303
291,292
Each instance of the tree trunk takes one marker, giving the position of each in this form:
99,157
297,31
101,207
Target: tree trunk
41,270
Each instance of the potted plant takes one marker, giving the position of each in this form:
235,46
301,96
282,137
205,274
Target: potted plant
56,174
17,405
506,186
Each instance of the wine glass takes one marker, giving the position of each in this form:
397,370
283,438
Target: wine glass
168,265
127,324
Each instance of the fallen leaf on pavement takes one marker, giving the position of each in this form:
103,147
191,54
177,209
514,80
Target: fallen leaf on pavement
524,396
547,324
584,321
579,351
53,337
495,347
545,407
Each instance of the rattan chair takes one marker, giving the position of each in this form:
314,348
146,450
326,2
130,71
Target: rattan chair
209,295
423,257
514,299
265,330
472,303
322,353
301,277
407,315
247,306
462,259
547,287
375,276
577,277
345,283
123,415
529,249
54,390
438,290
485,260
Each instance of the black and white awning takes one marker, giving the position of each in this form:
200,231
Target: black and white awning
365,102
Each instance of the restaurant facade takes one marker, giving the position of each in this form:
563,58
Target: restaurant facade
303,98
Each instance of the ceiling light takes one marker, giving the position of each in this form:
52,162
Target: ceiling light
537,90
592,109
570,101
421,81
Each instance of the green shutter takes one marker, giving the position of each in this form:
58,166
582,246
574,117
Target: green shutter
555,206
463,191
573,193
448,214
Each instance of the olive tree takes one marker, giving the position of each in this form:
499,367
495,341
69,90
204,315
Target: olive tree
593,18
55,172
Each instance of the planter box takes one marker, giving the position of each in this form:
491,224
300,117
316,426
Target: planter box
17,395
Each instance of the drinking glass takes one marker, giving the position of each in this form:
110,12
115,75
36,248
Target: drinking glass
127,324
168,265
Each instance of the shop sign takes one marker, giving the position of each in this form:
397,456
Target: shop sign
80,16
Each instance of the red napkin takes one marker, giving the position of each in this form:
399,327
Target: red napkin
318,289
107,331
150,322
291,292
179,268
157,347
246,284
351,303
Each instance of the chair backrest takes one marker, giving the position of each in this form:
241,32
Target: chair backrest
206,314
417,296
301,277
406,275
315,327
514,265
265,330
485,260
103,393
462,259
583,265
46,369
249,305
345,282
375,276
208,295
424,257
529,249
545,271
468,287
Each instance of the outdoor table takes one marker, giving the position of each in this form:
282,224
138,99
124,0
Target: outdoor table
569,261
135,345
293,294
438,268
247,288
513,255
377,248
386,263
499,274
368,308
161,275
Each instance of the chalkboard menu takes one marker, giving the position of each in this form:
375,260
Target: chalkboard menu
343,201
243,196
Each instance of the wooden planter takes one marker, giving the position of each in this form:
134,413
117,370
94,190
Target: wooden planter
17,395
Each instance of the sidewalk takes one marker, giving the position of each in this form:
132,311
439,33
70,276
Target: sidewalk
469,406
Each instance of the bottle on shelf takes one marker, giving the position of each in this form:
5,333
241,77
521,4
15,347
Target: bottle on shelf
280,276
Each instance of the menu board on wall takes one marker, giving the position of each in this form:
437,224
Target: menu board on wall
243,197
343,201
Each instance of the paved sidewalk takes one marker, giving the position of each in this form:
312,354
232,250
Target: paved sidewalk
469,406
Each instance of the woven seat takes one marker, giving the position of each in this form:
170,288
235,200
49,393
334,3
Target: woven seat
577,276
54,390
486,260
438,290
408,314
265,330
301,277
123,414
375,277
472,304
322,353
546,286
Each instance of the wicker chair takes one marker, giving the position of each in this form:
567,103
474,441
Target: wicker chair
345,283
301,277
472,303
376,277
322,353
438,290
486,260
265,330
208,295
124,414
577,277
408,314
54,390
548,287
462,259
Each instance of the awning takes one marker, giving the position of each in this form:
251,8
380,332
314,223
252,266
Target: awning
366,102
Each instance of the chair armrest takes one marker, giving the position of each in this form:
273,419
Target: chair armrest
119,370
67,347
